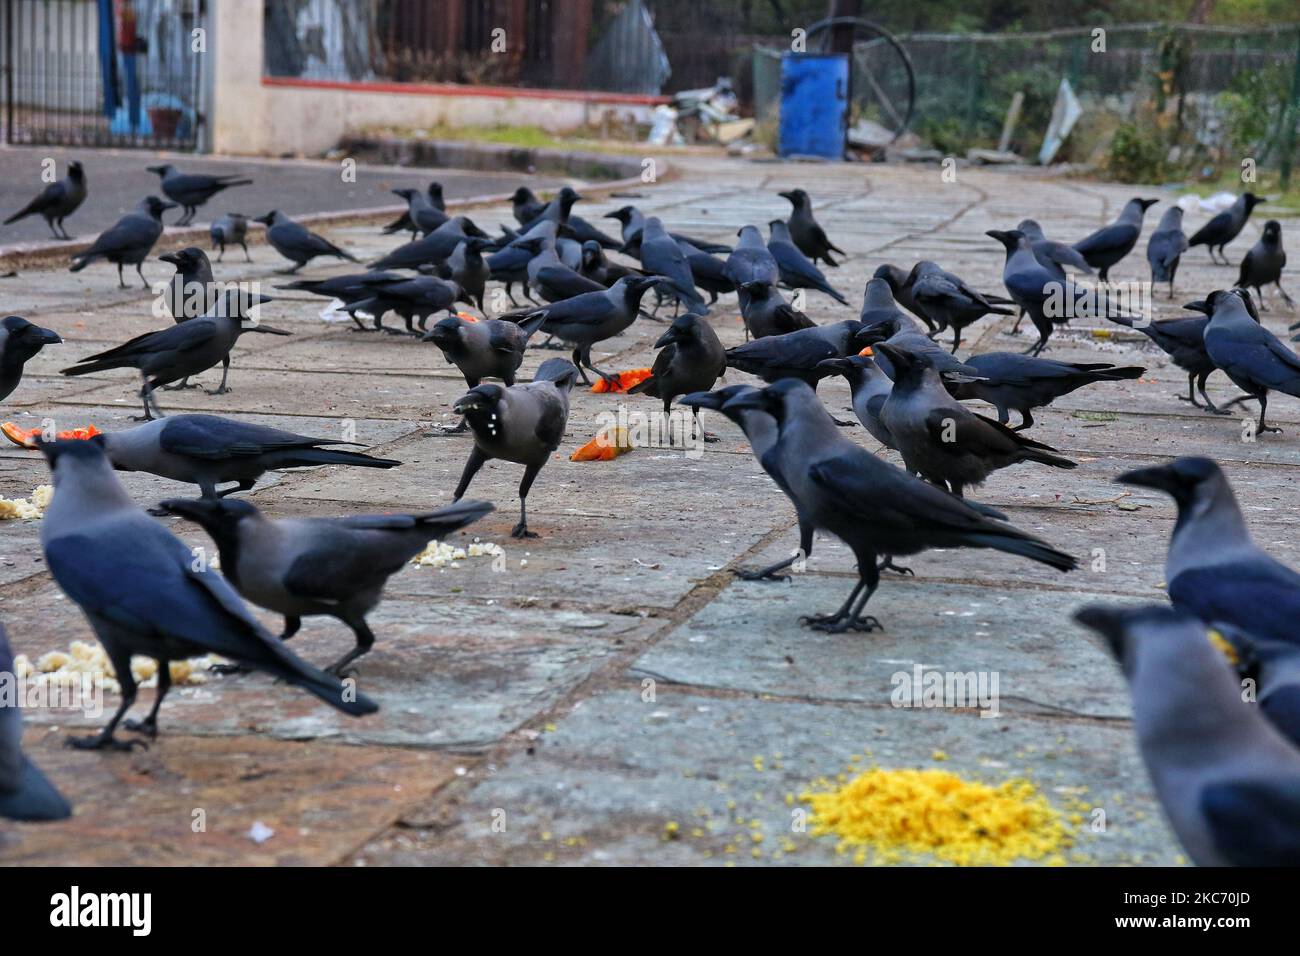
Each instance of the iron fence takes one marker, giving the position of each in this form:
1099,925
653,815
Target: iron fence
94,73
1227,89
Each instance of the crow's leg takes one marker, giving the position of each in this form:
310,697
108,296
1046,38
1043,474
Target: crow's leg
121,283
365,641
521,530
244,484
1044,333
244,246
1238,400
768,573
475,462
149,726
1261,428
409,330
611,380
360,326
887,564
709,437
146,399
180,386
140,272
1290,303
855,620
225,372
1191,395
121,661
1015,329
830,622
582,372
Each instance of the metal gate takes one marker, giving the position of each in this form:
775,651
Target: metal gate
121,73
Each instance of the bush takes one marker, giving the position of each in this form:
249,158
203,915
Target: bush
1137,155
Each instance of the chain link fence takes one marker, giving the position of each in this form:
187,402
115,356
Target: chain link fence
1216,89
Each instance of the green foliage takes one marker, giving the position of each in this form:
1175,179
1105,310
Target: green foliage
1137,155
1252,105
948,134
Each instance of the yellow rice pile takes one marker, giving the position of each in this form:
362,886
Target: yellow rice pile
892,816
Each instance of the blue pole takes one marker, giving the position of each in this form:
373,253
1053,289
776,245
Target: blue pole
108,57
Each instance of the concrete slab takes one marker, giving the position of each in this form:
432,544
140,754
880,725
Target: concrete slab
602,786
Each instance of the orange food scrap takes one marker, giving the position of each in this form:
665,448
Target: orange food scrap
26,437
467,317
626,380
867,351
605,446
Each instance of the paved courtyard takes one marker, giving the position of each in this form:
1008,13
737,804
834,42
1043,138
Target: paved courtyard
610,693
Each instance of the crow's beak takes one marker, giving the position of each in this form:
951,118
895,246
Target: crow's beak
1106,621
1160,478
755,399
701,400
199,510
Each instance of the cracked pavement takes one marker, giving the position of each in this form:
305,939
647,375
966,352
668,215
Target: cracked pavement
612,677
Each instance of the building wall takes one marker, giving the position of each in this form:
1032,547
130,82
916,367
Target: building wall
255,115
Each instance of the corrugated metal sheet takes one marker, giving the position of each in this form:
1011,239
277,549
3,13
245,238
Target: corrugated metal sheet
629,56
319,39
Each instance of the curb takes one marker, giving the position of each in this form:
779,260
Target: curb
493,157
48,253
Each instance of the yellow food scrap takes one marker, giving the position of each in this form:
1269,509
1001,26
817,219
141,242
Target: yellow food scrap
34,507
892,813
1225,648
82,660
672,830
440,554
938,755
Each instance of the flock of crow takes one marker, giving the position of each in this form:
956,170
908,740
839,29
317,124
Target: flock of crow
1227,772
